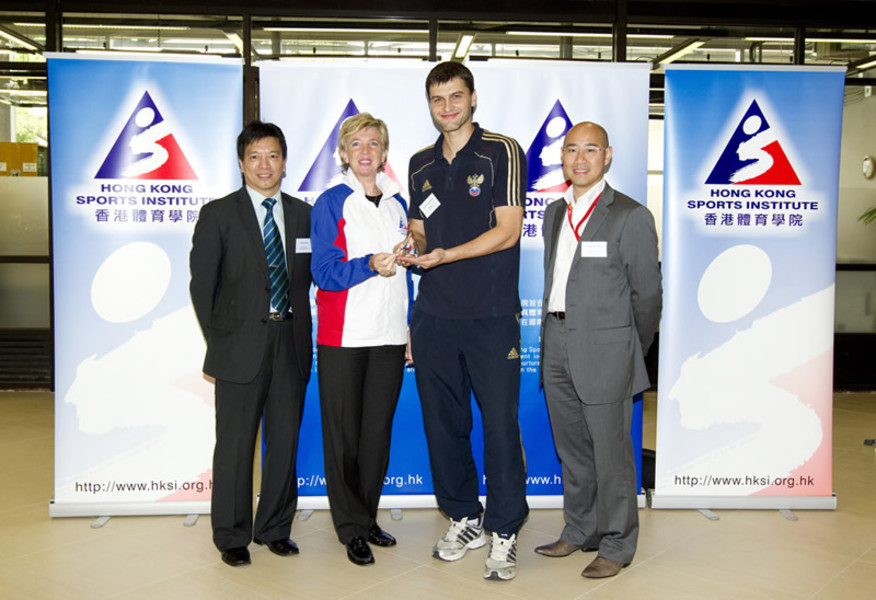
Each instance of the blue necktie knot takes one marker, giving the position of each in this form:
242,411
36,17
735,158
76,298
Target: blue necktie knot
276,260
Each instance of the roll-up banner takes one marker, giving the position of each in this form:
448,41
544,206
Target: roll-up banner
749,250
533,102
137,147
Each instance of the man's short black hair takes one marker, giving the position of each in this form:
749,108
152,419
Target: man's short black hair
256,131
444,72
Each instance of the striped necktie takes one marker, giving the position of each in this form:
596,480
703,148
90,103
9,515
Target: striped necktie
276,261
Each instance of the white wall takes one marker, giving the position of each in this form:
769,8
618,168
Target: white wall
856,241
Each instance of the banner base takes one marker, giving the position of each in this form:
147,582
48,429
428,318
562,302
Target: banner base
127,509
745,502
140,509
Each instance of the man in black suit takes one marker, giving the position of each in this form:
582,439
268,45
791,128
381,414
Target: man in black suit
256,322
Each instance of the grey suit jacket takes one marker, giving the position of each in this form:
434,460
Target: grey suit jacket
231,289
613,303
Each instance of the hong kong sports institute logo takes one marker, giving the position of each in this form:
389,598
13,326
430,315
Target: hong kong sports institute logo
754,155
544,157
146,148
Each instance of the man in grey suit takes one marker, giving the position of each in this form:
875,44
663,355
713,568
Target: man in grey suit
250,267
602,294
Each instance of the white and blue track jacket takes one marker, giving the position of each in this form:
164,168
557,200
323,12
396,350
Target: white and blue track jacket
355,306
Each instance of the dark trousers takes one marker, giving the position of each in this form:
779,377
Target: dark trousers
277,393
358,393
452,358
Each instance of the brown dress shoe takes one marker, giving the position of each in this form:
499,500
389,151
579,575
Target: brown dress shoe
601,567
557,549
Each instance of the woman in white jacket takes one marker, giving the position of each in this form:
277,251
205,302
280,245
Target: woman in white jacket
362,307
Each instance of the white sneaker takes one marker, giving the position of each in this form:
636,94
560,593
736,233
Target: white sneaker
463,535
501,564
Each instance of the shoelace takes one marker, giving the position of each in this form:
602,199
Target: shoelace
456,528
503,548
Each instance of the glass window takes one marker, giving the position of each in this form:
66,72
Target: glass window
24,296
24,216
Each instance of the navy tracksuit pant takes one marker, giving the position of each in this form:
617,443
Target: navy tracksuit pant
452,358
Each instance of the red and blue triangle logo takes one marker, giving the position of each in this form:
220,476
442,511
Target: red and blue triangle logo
326,166
754,155
544,158
146,148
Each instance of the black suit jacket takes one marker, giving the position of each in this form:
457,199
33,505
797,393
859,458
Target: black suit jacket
231,290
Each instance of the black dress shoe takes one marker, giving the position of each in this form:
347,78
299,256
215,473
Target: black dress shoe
236,557
279,547
359,552
378,537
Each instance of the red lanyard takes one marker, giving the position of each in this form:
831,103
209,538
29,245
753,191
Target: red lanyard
575,228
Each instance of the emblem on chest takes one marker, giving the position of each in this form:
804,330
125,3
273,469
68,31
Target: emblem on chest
474,185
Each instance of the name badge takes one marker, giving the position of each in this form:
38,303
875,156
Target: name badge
429,205
594,249
302,245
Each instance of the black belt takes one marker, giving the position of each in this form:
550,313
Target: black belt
560,314
274,316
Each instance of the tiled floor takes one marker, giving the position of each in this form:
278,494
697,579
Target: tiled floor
744,554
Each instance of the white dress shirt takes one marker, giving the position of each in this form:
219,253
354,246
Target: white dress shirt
567,242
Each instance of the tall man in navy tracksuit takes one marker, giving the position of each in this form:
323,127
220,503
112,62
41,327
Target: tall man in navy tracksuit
467,197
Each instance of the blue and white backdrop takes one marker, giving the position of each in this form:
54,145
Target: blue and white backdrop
138,146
